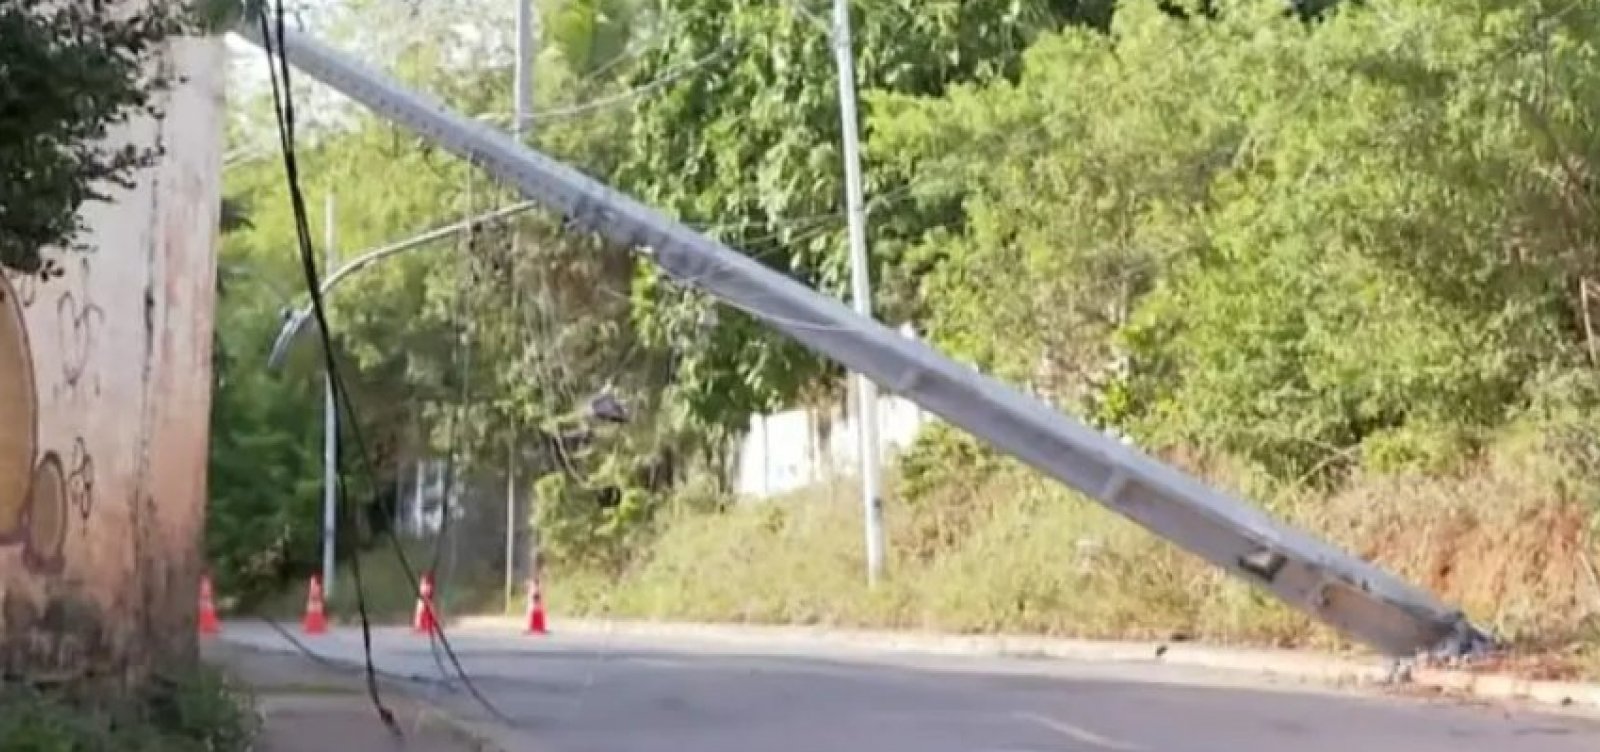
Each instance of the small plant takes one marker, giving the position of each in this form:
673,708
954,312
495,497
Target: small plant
942,455
33,722
196,711
199,710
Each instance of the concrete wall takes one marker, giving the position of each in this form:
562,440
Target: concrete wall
105,394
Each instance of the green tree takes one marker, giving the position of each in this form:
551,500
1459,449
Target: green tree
266,457
490,342
1373,280
738,134
1301,244
73,71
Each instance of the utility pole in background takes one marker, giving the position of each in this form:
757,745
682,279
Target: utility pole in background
522,107
866,392
330,429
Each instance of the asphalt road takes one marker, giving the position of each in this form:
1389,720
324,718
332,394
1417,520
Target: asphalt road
597,694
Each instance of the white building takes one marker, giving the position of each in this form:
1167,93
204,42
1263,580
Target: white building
794,449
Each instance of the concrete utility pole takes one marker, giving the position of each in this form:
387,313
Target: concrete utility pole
1339,589
522,107
523,76
866,392
330,431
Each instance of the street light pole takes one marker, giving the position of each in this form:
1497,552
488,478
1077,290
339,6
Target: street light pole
522,106
522,97
330,431
866,392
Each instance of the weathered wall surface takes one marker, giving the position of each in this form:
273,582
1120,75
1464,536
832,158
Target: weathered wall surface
105,393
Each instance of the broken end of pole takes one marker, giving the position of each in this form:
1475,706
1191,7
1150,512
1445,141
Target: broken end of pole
1390,617
1462,642
1462,645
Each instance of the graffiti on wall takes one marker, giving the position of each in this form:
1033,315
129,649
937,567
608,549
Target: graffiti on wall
105,403
78,322
39,490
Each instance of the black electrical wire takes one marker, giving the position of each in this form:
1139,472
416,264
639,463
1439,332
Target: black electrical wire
460,353
283,107
335,664
283,110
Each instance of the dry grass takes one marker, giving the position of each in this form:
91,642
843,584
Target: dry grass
1507,539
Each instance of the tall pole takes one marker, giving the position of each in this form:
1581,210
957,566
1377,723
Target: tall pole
330,432
866,392
522,98
523,75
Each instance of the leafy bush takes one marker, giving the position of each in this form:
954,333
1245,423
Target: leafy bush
942,455
197,711
1299,245
73,72
587,527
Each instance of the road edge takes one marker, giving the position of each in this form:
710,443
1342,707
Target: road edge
1284,664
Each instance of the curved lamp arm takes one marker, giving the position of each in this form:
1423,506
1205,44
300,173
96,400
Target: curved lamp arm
294,323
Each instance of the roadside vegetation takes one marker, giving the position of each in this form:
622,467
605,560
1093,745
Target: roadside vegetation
197,711
1014,553
1340,259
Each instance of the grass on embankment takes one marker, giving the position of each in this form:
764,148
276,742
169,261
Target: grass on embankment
1509,540
1512,539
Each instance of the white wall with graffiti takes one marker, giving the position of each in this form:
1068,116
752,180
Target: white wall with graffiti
104,407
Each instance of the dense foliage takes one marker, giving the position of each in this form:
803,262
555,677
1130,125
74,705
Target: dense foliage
1365,238
747,125
1355,237
73,72
478,346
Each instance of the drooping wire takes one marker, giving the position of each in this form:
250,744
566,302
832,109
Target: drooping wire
283,110
455,418
272,33
460,355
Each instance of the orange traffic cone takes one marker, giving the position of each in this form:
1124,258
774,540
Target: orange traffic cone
424,621
316,619
535,609
209,625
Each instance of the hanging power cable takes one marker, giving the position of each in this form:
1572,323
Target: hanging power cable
456,413
271,31
283,109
